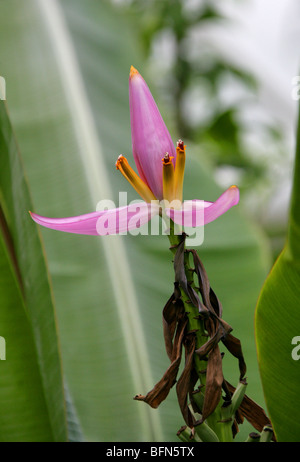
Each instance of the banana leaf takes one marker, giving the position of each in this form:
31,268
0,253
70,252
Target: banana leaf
32,396
277,327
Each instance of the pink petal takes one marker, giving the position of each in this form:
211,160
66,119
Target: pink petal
196,213
150,136
104,222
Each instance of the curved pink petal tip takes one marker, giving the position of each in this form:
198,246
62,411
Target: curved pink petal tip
196,213
104,222
150,136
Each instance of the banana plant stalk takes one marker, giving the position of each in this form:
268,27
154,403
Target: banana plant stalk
192,318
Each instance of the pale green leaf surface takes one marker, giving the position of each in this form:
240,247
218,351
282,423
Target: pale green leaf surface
31,398
278,322
72,122
24,415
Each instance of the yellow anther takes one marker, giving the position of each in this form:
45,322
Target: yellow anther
179,170
141,188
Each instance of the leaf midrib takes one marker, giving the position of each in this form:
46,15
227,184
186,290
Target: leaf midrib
92,159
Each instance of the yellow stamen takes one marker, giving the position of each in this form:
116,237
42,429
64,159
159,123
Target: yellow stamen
141,188
179,170
168,178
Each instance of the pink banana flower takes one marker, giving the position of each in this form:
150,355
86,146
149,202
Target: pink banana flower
159,181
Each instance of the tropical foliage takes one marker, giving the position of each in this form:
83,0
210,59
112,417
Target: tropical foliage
81,315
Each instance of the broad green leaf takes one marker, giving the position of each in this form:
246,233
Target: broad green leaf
68,92
31,398
278,326
24,415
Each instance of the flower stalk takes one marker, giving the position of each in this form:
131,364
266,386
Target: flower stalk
218,425
212,415
192,317
195,323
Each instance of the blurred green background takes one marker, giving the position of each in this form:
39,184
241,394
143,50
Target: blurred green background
222,89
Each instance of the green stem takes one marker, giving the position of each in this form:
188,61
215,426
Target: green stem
253,438
194,323
266,435
220,420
